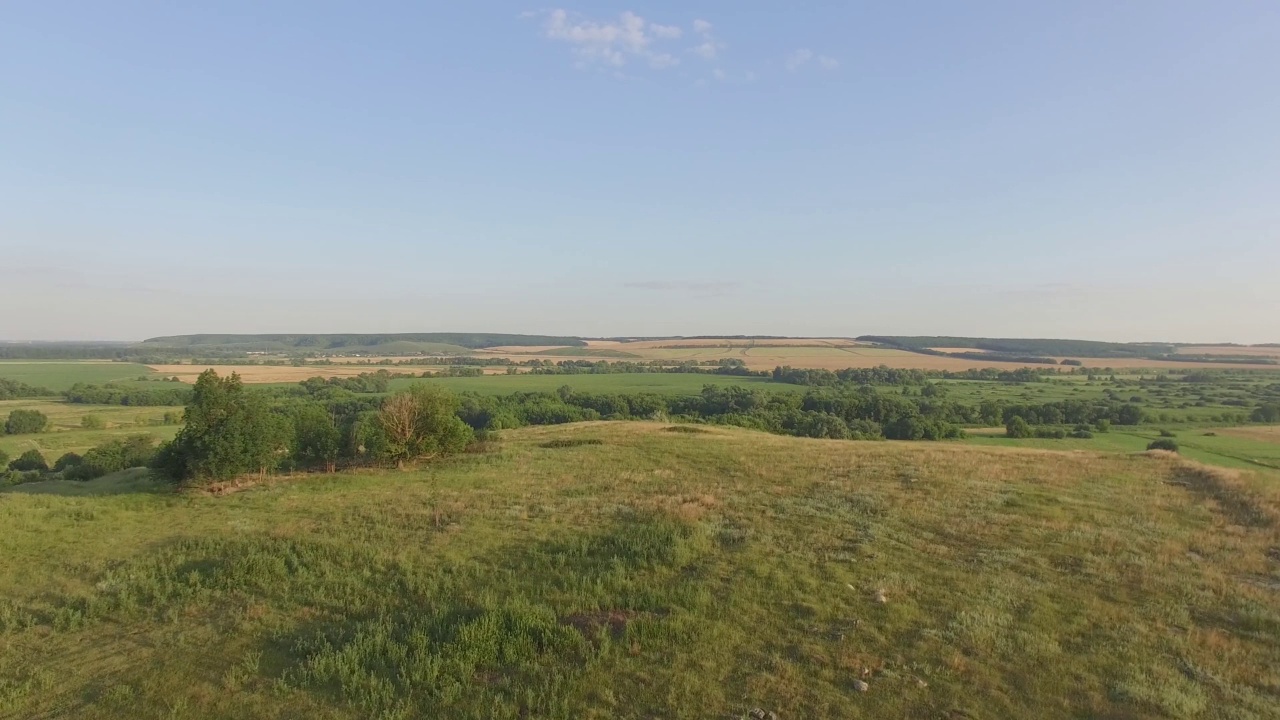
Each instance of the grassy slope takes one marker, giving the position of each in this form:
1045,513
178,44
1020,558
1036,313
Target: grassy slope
59,376
657,575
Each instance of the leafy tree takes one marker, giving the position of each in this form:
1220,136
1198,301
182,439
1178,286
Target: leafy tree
1018,428
421,422
229,431
316,438
29,461
22,422
92,422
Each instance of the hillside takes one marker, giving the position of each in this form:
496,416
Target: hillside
1029,346
653,574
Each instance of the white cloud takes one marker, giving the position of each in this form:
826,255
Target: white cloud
612,42
798,59
663,61
804,56
710,46
666,32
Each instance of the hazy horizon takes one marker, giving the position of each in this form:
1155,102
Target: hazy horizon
993,169
625,335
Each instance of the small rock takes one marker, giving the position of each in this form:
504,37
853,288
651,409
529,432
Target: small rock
860,686
921,683
881,597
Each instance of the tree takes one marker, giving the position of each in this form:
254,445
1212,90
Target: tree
92,422
22,422
1018,428
1129,415
229,431
28,461
67,462
4,459
421,422
316,438
1163,444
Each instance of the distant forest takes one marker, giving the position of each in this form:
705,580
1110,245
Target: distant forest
470,341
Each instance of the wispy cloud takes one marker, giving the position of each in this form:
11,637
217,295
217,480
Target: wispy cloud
709,46
611,43
699,287
804,56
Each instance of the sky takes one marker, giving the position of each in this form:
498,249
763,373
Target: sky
1093,169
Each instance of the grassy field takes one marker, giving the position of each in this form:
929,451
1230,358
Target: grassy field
65,432
1220,447
57,375
657,574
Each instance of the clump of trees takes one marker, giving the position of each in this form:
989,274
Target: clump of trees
233,431
14,390
1163,444
229,432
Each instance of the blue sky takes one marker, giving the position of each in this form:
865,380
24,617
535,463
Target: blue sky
1088,169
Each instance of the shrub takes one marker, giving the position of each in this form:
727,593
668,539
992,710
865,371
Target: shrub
4,459
1163,444
1167,433
22,422
688,429
29,461
1017,428
92,422
1082,434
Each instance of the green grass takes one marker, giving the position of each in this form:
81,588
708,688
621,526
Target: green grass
662,383
60,375
658,574
1220,449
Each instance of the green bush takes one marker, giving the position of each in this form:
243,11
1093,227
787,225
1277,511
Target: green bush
1163,444
92,422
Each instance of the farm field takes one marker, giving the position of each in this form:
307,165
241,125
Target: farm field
60,375
662,383
653,574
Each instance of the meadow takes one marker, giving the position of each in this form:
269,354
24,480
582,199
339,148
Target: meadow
60,375
649,573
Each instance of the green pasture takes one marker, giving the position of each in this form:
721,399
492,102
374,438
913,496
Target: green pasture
59,375
1217,448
